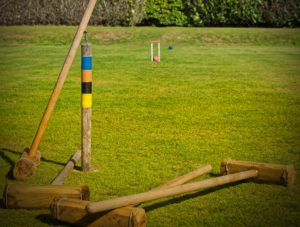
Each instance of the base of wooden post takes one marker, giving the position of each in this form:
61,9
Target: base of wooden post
26,166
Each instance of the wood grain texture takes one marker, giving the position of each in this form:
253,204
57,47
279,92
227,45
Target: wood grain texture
110,204
24,196
26,166
60,178
62,77
267,173
86,143
74,210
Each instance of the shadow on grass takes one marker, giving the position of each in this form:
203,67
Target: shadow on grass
11,162
47,219
187,197
27,149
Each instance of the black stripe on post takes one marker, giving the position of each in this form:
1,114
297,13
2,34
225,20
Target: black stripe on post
86,88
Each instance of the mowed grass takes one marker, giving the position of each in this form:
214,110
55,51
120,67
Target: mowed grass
220,93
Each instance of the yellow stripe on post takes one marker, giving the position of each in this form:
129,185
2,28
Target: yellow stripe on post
86,101
86,76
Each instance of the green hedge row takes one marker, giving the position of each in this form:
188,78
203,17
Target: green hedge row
69,12
275,13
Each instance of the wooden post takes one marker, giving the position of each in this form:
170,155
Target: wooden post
268,173
110,204
60,178
74,210
86,105
58,87
23,196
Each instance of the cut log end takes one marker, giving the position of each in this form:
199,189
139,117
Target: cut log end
26,166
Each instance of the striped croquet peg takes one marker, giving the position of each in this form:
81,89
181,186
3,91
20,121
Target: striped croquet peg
86,105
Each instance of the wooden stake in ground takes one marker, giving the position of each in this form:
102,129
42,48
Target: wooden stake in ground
60,178
86,105
110,204
74,211
19,167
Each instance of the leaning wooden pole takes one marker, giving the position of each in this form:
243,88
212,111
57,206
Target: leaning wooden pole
161,193
60,178
86,105
19,167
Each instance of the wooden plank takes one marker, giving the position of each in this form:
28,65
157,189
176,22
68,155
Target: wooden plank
24,196
110,204
268,173
74,211
60,178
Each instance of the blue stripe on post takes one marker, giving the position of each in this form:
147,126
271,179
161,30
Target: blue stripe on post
86,62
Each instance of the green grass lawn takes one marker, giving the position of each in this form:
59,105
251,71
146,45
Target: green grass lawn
222,92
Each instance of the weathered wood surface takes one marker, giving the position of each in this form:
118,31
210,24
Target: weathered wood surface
62,77
26,166
19,196
267,173
185,178
60,178
74,211
86,162
59,84
110,204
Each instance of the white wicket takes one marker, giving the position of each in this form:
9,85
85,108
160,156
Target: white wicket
152,49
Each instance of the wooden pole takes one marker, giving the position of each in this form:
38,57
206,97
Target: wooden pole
62,77
60,178
57,90
74,211
185,178
161,193
86,105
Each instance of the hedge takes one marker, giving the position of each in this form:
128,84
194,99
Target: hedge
273,13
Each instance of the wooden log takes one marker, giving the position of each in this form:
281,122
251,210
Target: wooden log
60,178
57,89
74,211
268,173
19,196
110,204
